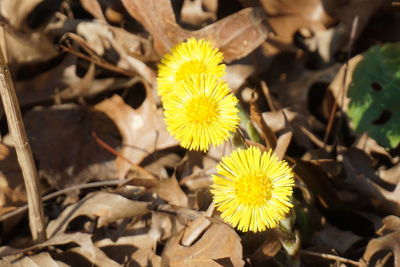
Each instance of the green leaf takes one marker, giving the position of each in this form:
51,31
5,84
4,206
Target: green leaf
375,95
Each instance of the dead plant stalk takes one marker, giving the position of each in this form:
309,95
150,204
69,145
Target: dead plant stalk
24,152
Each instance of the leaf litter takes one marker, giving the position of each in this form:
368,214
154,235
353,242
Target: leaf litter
85,75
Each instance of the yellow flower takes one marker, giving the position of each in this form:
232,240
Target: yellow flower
191,57
252,189
201,111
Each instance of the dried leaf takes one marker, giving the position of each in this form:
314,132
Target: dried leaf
362,177
94,8
168,189
347,11
286,19
196,13
143,129
218,243
42,259
108,207
388,242
236,35
69,129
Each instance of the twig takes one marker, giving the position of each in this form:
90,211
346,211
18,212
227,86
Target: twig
346,67
117,154
332,257
24,152
61,192
99,62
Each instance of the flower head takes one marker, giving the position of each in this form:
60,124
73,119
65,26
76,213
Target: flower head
252,189
188,58
201,111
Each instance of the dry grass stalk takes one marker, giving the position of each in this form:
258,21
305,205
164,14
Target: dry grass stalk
24,152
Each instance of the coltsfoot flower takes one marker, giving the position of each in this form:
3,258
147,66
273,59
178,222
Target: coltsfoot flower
188,58
252,189
201,112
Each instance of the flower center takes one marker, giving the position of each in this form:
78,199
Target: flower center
253,189
188,68
201,110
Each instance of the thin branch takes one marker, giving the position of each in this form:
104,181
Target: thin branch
99,62
331,257
62,192
117,154
24,152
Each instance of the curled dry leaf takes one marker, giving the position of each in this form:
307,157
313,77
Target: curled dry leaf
286,19
361,176
37,260
346,11
198,12
12,189
336,86
108,207
168,189
16,11
135,246
82,239
219,245
390,241
143,130
334,238
236,35
22,48
94,8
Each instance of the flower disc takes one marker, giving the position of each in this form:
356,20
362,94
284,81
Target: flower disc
185,59
201,111
252,189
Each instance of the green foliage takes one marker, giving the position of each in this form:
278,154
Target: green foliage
375,95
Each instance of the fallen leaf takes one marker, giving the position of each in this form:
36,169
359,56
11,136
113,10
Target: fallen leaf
168,189
218,243
347,11
143,129
286,19
388,242
100,204
334,238
66,152
198,12
42,259
361,176
236,35
94,8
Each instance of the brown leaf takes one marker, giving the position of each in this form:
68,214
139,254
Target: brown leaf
143,129
136,247
94,8
16,12
348,10
168,189
236,35
108,207
336,86
83,239
219,243
196,13
361,176
388,242
334,238
286,19
12,189
42,259
66,152
265,131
